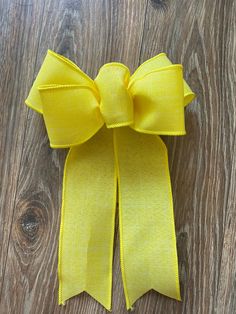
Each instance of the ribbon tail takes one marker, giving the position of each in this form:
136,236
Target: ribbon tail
147,231
87,220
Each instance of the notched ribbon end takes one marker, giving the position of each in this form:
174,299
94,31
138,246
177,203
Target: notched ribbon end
61,303
107,304
131,301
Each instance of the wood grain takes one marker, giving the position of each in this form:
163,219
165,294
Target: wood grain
200,35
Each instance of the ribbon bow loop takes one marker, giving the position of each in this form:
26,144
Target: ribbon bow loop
158,99
71,114
137,108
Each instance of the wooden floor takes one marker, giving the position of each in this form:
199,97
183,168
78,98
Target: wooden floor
200,35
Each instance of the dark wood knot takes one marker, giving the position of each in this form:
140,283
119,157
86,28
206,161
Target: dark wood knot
30,230
30,224
183,236
182,245
159,4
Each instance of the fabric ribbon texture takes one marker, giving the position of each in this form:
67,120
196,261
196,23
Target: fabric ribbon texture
112,126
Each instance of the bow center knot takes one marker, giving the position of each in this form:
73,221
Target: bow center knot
116,104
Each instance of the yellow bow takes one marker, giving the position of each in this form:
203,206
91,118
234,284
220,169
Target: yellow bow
112,125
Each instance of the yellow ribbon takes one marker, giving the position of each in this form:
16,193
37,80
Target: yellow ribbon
112,126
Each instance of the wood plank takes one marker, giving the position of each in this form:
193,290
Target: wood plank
201,36
15,70
70,28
